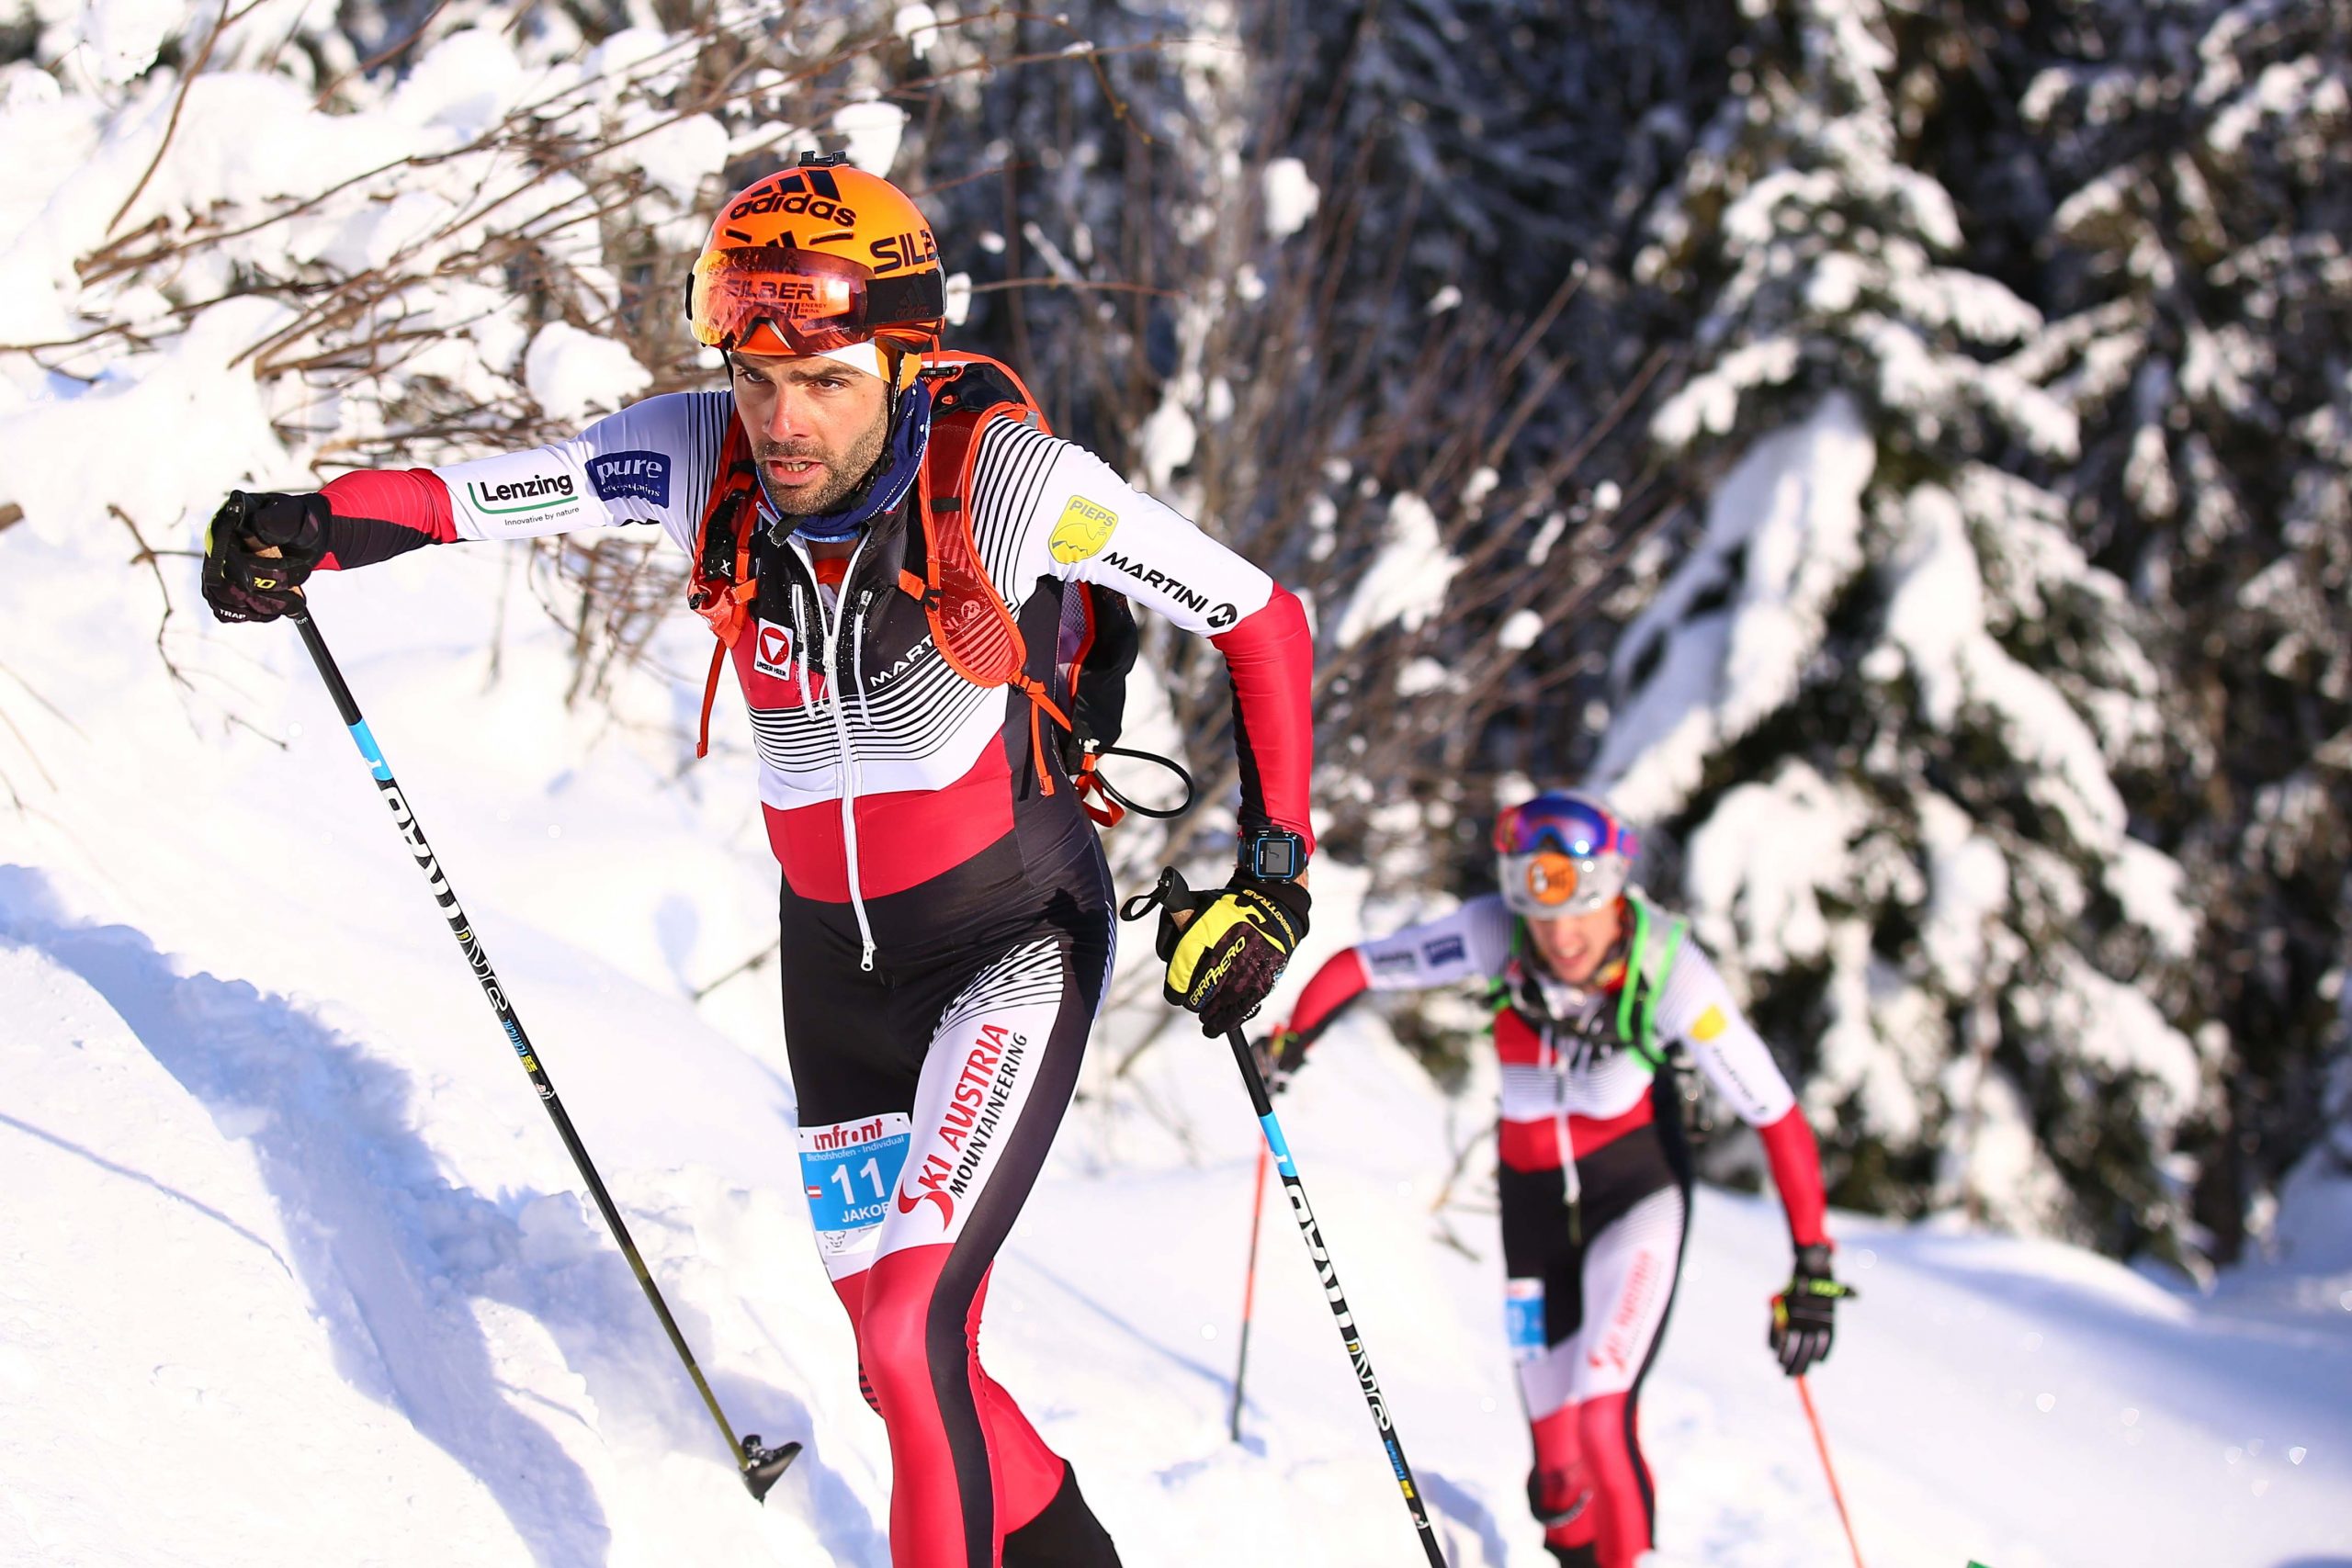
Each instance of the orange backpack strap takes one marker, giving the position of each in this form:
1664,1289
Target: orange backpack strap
1090,782
971,625
719,584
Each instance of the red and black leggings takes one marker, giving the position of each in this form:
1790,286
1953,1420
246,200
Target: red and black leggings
930,1092
1591,1288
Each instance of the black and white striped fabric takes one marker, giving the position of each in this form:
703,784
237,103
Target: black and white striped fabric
844,723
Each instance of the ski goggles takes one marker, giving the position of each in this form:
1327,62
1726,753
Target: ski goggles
777,299
1561,854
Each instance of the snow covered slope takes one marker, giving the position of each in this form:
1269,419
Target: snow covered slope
293,1271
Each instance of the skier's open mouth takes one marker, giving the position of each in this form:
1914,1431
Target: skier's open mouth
793,471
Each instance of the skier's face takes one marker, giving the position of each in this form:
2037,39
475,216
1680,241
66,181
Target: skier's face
817,426
1573,946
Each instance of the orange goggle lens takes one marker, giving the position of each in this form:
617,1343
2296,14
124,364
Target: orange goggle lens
810,302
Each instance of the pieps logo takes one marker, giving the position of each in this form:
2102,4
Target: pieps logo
1083,528
772,653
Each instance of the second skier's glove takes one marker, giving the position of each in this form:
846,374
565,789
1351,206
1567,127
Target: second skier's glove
1280,1055
1224,960
242,583
1805,1317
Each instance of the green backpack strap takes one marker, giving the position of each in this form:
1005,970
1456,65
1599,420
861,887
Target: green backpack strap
1499,996
1637,1000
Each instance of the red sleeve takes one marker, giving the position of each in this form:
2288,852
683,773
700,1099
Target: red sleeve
1340,981
1272,658
1796,1160
382,512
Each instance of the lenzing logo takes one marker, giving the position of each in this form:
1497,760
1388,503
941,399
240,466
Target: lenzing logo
535,494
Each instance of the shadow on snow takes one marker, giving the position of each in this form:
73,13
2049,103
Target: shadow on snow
392,1254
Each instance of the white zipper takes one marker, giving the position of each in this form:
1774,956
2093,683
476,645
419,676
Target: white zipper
849,754
1573,1187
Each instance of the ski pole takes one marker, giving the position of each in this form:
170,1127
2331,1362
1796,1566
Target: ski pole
759,1466
1307,1228
1837,1496
1249,1291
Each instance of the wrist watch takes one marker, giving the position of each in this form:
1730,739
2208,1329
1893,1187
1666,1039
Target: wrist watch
1274,855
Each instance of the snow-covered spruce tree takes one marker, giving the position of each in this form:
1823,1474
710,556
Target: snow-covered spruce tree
1493,157
2193,165
1882,699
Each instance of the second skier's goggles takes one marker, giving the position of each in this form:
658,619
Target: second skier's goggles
776,300
1561,854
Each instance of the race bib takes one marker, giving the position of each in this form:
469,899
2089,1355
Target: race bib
848,1171
1523,1318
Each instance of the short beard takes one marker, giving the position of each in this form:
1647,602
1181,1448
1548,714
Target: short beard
854,467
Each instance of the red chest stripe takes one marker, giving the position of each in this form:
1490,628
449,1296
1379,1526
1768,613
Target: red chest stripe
1536,1145
904,837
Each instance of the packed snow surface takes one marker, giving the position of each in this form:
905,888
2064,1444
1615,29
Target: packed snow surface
290,1221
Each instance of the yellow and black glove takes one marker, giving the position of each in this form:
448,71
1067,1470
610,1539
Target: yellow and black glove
1805,1317
1223,960
258,552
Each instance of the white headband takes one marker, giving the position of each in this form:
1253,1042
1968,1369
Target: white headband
867,356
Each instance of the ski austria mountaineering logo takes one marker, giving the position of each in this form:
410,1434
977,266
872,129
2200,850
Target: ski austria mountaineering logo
1083,528
975,1114
632,476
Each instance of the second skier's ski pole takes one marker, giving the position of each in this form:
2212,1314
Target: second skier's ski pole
1313,1233
759,1466
1837,1496
1249,1291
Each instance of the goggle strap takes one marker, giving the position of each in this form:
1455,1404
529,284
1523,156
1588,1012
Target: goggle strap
906,300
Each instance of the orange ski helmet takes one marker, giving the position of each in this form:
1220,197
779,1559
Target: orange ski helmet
818,257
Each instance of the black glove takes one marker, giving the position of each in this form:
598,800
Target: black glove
1805,1317
1224,960
1279,1055
243,584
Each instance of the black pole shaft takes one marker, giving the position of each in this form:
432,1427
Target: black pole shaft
1288,1168
746,1453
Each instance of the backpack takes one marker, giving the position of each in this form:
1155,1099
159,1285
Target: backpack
974,628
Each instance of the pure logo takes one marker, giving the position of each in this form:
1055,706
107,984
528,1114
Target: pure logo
538,493
632,476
